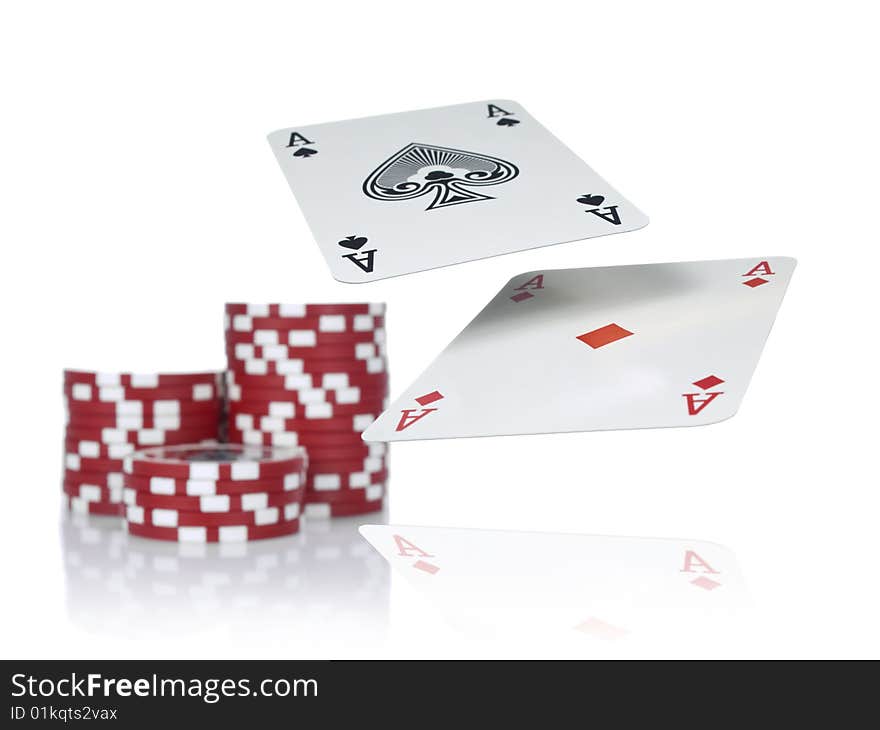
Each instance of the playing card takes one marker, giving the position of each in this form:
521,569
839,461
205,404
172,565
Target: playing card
489,582
642,346
406,192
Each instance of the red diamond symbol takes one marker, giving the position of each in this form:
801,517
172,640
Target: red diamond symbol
427,567
426,400
708,382
604,335
522,296
755,282
705,583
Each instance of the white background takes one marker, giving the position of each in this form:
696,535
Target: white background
139,194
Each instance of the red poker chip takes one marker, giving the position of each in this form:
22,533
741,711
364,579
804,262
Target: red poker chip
213,534
165,423
190,488
305,335
329,509
322,323
342,424
211,504
95,451
346,466
106,479
352,351
235,462
161,517
153,408
85,393
307,439
308,412
256,400
140,380
142,437
354,480
357,451
349,366
304,310
375,494
106,509
75,464
91,492
325,381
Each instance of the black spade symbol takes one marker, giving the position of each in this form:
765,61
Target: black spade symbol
438,175
305,152
507,122
355,243
591,199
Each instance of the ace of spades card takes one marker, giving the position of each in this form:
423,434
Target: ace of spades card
401,193
645,346
533,584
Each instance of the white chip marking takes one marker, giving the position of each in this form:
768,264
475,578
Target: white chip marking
215,503
302,338
326,482
245,470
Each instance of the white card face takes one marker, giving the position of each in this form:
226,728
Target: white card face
401,193
645,346
528,584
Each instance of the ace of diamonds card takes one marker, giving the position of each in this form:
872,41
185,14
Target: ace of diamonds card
401,193
645,346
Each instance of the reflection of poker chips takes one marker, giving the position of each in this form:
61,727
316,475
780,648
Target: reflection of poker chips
81,506
227,534
308,366
322,323
215,461
169,486
303,310
211,503
318,510
244,351
163,517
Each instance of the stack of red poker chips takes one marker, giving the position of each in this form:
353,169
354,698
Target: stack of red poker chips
200,493
313,375
110,415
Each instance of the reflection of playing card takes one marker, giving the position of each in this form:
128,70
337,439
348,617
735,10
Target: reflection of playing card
406,192
593,349
536,583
